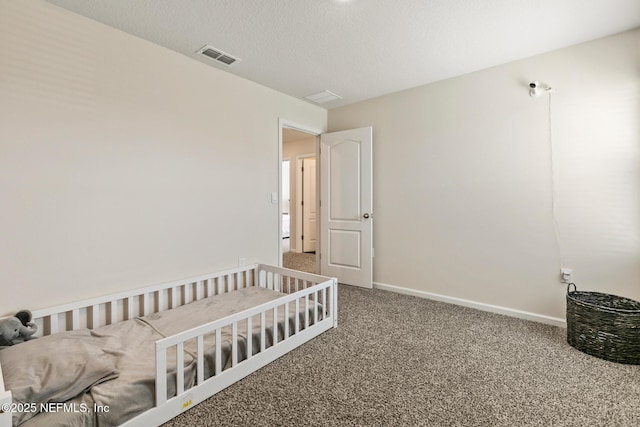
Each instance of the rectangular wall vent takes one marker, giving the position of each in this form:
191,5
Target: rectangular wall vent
217,55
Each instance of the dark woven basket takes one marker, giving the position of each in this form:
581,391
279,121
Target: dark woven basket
603,325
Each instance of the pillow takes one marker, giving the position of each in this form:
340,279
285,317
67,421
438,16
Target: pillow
55,368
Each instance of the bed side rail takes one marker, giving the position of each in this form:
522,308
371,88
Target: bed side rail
288,281
108,309
5,399
313,323
284,279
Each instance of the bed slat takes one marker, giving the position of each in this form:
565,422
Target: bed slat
218,285
75,319
262,331
286,321
275,325
200,363
129,312
306,311
114,313
95,316
209,287
333,296
187,293
249,337
324,302
53,321
145,304
174,295
180,367
297,322
198,290
161,306
161,376
218,351
315,307
234,344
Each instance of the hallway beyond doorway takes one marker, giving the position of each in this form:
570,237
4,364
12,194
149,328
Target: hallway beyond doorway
299,261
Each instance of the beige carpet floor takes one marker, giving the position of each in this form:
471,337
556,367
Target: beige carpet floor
299,261
401,360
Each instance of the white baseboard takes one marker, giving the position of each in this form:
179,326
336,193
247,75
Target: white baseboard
541,318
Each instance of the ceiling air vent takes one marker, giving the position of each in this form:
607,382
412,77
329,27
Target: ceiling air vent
323,97
217,55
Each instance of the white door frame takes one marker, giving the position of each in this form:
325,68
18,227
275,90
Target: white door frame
283,123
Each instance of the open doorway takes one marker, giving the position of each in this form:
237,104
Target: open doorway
298,193
344,181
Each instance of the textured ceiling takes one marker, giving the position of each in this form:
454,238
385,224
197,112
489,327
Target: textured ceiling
361,49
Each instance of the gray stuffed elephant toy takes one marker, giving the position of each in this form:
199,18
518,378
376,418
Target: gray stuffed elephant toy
17,329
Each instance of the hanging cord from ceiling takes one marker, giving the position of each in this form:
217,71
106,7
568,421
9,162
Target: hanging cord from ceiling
537,89
554,192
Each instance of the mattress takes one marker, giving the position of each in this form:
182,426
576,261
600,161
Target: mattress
131,346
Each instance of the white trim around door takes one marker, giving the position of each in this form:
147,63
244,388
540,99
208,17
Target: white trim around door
282,124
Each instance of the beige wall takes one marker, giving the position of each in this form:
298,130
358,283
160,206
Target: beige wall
291,150
462,183
123,163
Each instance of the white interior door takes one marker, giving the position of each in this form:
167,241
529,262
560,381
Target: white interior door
309,210
346,200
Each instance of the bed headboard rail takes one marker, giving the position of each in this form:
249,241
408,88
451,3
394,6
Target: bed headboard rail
108,309
289,281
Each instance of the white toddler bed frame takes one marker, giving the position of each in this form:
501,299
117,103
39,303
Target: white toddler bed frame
305,290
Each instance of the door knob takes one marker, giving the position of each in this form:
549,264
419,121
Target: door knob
365,216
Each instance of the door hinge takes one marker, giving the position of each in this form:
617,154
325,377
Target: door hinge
302,237
302,203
